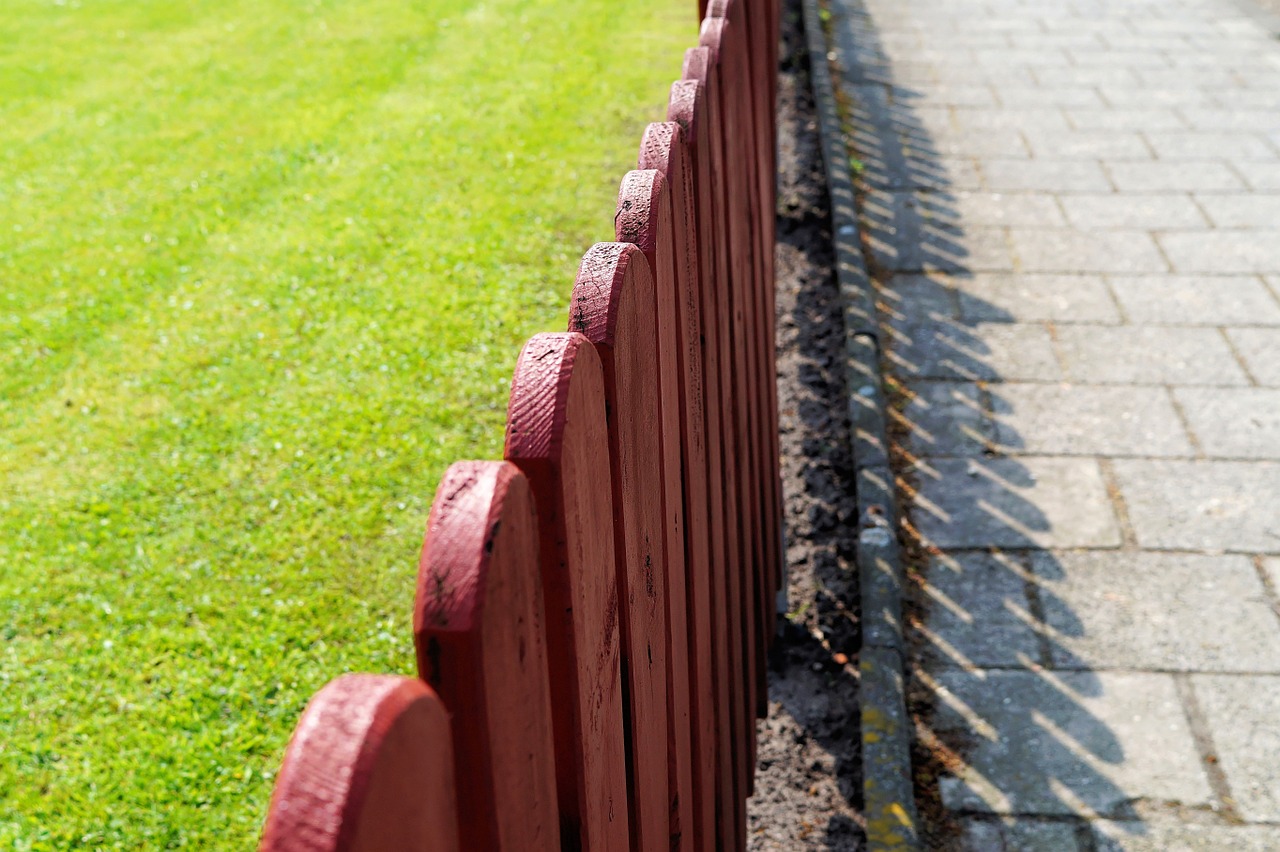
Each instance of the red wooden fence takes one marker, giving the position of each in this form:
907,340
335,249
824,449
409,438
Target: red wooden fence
592,614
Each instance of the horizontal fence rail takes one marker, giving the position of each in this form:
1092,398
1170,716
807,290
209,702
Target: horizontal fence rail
592,614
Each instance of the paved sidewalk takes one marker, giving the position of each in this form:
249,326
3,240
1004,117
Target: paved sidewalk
1074,210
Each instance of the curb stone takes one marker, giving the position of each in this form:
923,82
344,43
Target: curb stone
888,789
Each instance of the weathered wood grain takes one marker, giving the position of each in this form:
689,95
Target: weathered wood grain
369,768
557,436
645,218
614,305
478,626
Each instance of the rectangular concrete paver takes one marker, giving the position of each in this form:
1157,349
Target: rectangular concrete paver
1259,348
1036,298
1132,610
989,351
1242,713
1223,251
1068,743
1023,502
1115,210
1241,423
1071,419
1148,354
1196,300
1069,250
1202,505
945,419
979,614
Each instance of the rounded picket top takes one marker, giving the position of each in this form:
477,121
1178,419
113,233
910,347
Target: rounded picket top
478,627
369,768
558,436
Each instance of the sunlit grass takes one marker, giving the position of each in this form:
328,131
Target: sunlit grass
264,271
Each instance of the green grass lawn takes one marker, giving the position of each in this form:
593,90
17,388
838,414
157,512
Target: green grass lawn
264,271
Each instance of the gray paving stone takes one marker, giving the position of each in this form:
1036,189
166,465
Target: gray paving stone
1122,97
978,613
1172,177
1147,212
1223,251
1094,76
1171,833
1065,419
1001,143
1208,145
1217,118
1002,502
1067,743
1038,96
1260,349
1106,56
1138,118
1202,505
1148,355
1247,210
1068,250
1271,570
945,419
1024,835
1242,423
1196,300
913,298
983,351
1025,119
1088,145
1116,609
1027,209
1260,176
907,232
947,93
1035,298
1044,176
1242,714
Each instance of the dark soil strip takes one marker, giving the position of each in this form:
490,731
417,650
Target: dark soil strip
808,788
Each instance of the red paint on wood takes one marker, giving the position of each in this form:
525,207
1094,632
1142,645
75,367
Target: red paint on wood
614,305
480,637
369,768
645,217
728,49
667,149
700,66
557,436
744,20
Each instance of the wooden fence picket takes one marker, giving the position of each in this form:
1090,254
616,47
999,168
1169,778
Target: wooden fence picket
594,613
614,305
666,148
645,217
733,203
746,40
369,768
557,436
478,626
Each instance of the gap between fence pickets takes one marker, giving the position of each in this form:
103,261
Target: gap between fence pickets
888,789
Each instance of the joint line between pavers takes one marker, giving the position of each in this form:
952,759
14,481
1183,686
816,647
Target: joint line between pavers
1235,353
1268,587
1181,414
1128,539
1205,747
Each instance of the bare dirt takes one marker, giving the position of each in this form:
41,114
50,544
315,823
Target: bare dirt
808,786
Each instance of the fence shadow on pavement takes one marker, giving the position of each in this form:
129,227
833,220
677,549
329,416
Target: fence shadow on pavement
1010,723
